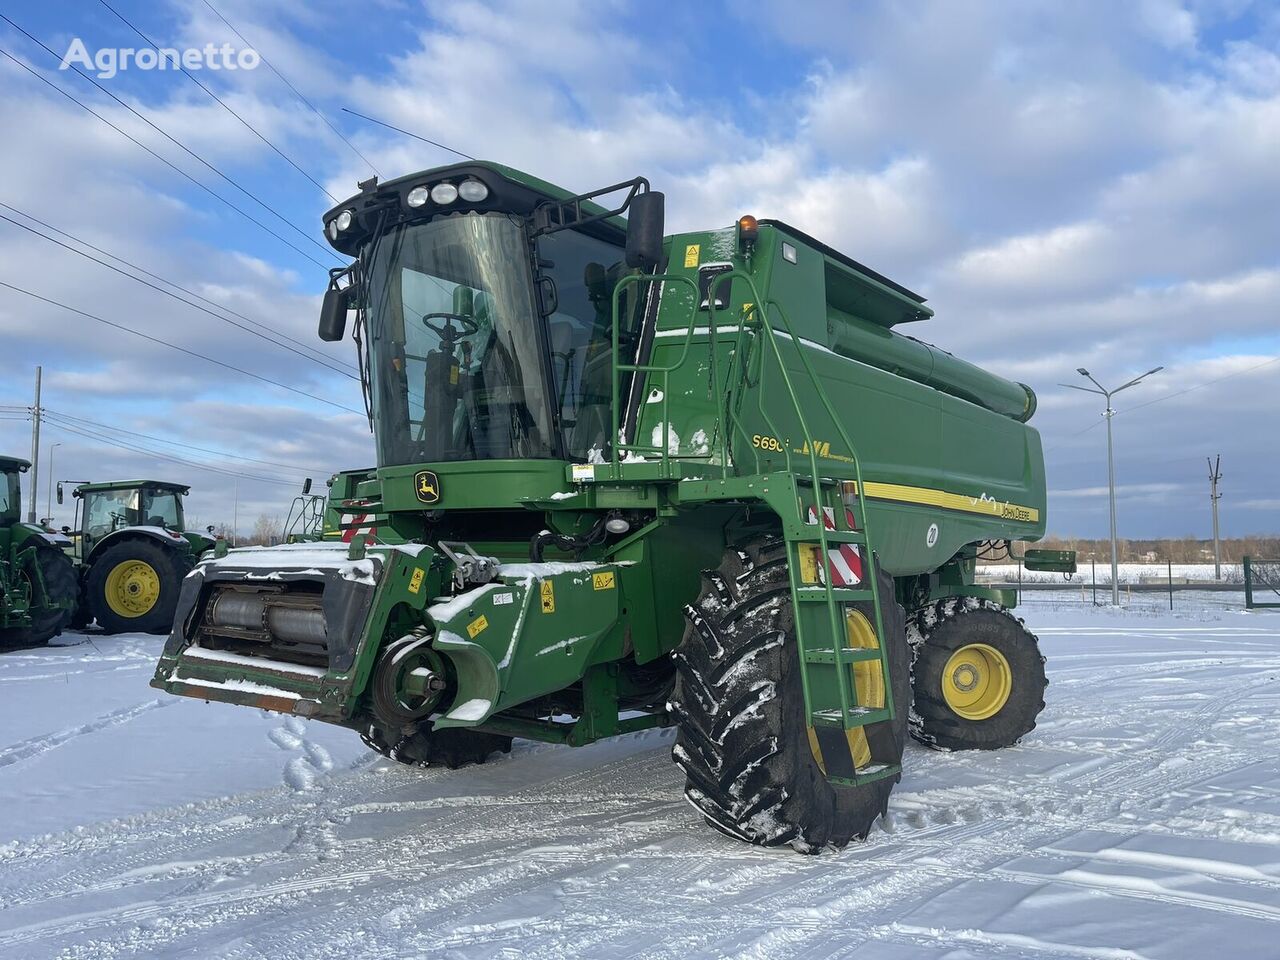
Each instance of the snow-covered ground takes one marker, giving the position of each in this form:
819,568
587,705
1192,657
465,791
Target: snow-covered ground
1140,820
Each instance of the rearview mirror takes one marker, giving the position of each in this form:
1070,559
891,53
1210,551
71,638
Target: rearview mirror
306,486
645,229
59,491
333,313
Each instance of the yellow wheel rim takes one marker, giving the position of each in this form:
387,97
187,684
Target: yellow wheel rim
868,682
132,588
977,681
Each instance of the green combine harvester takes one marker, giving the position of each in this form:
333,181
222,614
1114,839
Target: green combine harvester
628,481
132,548
37,579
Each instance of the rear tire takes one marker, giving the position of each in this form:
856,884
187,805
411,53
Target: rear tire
453,747
965,642
61,587
133,586
743,738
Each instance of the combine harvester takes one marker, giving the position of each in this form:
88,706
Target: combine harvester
626,481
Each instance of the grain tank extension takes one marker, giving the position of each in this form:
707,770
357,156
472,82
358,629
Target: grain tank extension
627,480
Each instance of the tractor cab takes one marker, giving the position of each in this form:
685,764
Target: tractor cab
10,490
107,507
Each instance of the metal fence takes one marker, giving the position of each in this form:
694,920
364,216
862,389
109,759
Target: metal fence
1261,583
1151,585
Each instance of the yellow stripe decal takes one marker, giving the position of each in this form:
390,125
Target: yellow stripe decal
984,505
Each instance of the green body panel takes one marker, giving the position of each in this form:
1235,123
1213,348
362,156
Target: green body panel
22,589
791,387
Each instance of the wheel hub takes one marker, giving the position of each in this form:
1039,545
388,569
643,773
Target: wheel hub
132,588
977,681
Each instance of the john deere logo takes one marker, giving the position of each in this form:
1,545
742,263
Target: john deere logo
427,486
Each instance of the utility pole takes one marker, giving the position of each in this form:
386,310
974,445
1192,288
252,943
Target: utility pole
35,453
235,511
1214,496
1111,464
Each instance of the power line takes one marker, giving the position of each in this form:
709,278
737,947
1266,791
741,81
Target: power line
182,146
223,104
167,163
90,435
322,361
145,436
174,346
154,276
296,93
415,136
240,326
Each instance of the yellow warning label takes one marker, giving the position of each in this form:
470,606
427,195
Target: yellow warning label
808,556
453,375
476,625
691,254
415,581
548,597
602,581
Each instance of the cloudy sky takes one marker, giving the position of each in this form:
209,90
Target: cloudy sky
1092,184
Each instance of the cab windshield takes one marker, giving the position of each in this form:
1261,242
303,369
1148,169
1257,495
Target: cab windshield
162,508
461,364
455,360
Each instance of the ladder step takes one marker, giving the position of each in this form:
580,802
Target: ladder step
847,655
856,537
839,594
857,717
869,774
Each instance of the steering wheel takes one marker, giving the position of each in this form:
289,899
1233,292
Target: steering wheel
447,332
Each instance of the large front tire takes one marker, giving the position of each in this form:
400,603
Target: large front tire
977,676
743,739
133,586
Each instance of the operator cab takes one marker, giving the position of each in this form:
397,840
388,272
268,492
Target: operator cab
485,300
107,507
10,489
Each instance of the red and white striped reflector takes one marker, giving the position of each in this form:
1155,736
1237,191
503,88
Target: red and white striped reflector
359,523
844,559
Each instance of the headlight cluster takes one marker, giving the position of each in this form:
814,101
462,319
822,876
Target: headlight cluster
443,194
340,223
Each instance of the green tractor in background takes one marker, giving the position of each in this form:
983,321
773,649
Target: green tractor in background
37,579
130,542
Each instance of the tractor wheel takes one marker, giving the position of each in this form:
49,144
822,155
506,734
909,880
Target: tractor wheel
133,586
62,587
453,748
977,676
743,739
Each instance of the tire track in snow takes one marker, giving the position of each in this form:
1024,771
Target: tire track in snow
36,746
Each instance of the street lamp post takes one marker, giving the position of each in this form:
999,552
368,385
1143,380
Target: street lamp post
48,496
1111,463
